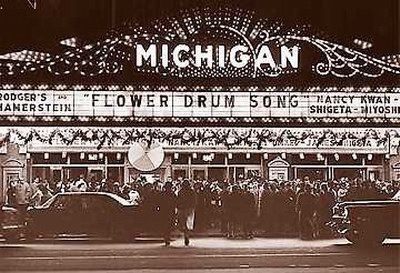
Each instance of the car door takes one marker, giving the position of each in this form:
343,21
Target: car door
61,215
98,214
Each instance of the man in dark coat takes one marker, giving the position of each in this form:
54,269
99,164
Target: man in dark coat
186,207
248,212
325,203
233,206
305,207
167,207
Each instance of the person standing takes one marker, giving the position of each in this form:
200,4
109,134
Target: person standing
22,198
186,209
167,207
233,205
248,212
305,207
79,185
325,203
12,194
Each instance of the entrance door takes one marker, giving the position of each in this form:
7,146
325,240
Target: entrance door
95,175
231,174
179,173
373,175
312,173
115,173
56,176
240,173
252,173
199,174
12,170
349,173
76,172
216,173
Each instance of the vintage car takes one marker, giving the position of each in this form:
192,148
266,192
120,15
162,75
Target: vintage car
99,214
368,222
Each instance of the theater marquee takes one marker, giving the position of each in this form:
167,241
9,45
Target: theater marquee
205,103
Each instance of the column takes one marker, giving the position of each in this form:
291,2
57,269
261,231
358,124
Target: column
126,169
68,168
262,166
364,170
190,166
326,169
227,167
105,166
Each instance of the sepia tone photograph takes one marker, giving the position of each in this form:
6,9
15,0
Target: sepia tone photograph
199,136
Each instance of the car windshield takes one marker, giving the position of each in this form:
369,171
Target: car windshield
120,199
48,203
396,196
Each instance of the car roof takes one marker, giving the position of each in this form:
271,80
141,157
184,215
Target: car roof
119,199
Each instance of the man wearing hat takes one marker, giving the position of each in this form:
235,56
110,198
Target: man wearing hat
167,207
22,197
186,204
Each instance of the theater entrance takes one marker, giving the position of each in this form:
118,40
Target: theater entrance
313,174
217,173
350,173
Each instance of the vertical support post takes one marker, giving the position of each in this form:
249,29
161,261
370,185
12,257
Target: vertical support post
69,165
364,169
262,174
105,166
227,167
190,166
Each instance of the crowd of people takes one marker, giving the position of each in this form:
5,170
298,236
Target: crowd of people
242,209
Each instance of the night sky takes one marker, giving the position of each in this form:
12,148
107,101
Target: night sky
339,20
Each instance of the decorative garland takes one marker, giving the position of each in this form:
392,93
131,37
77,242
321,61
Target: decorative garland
228,137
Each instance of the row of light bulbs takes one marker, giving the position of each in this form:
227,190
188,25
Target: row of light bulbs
79,87
320,157
82,155
104,119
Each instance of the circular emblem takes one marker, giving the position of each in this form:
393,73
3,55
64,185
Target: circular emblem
145,158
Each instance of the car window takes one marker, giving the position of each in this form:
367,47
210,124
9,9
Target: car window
70,203
62,202
118,199
97,203
48,203
396,196
104,204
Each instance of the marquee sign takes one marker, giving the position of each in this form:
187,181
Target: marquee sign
205,44
207,103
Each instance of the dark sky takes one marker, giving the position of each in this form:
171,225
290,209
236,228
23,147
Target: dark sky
338,20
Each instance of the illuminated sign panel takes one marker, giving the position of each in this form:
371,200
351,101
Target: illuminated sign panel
206,44
119,103
238,56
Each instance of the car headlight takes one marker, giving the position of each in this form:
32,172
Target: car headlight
340,211
345,213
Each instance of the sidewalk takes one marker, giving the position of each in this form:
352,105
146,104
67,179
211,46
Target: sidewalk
258,243
216,233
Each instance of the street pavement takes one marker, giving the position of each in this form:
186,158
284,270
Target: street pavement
217,255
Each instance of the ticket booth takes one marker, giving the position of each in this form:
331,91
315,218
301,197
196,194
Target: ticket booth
278,169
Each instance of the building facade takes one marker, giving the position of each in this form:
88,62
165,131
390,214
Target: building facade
227,96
